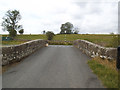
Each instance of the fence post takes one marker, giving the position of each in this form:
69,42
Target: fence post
118,58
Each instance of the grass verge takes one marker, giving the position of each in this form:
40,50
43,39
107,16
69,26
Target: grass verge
106,72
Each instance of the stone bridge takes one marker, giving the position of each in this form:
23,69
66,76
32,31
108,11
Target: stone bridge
55,66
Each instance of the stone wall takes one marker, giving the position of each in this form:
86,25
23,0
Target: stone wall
94,50
17,52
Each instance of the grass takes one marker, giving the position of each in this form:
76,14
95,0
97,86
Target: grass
29,37
12,42
22,38
106,71
101,39
59,43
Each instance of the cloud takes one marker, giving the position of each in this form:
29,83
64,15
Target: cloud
39,15
98,17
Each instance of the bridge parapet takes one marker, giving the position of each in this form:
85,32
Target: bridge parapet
15,53
94,50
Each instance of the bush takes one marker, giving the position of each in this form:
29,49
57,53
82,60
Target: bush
21,31
50,35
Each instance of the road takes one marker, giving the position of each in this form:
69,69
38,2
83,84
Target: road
52,67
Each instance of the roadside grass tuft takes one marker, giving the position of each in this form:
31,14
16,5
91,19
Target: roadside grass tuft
106,72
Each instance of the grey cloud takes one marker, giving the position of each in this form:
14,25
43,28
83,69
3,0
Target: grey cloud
81,4
90,17
94,8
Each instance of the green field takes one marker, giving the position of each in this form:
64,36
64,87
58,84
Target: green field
104,40
101,39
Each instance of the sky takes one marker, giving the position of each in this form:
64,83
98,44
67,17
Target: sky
90,16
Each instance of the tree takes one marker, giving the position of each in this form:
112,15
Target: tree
50,35
76,30
12,33
66,28
21,31
112,33
10,22
44,31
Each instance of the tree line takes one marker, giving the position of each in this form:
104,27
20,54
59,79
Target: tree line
12,17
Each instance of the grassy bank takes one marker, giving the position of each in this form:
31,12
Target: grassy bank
106,72
101,39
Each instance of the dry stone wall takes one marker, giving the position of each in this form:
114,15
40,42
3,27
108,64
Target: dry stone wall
94,50
17,52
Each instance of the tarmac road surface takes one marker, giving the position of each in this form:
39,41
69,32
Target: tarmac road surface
55,66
